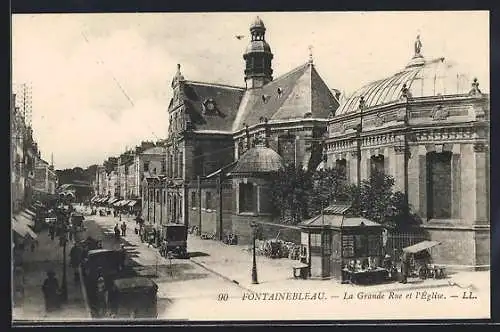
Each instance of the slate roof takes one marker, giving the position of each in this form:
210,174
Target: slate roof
302,92
258,159
227,100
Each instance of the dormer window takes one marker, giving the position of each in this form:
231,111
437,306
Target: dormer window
265,99
209,106
280,92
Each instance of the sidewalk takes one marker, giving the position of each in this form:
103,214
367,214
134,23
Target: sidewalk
235,263
47,255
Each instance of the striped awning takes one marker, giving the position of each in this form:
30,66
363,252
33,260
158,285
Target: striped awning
132,203
22,229
112,200
25,219
29,213
424,245
117,203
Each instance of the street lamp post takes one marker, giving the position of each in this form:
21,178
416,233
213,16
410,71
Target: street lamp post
254,263
63,242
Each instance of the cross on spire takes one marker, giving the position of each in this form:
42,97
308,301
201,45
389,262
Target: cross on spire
310,54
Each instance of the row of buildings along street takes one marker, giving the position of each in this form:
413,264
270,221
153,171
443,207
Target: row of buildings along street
287,185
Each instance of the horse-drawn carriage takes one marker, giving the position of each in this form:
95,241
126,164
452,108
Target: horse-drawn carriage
174,240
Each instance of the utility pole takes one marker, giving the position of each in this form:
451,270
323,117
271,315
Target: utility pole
219,187
199,202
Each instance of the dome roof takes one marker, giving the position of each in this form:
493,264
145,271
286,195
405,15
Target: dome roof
259,159
257,24
258,46
422,78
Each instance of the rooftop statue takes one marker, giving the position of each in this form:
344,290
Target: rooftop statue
418,46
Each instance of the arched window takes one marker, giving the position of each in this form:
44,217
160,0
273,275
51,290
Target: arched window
208,200
170,165
286,148
247,199
341,166
439,193
377,164
181,164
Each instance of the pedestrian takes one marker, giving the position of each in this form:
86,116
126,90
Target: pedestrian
405,266
50,290
124,229
163,248
101,293
117,232
75,260
121,257
52,231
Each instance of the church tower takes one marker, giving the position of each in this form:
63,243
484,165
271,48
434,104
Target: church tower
258,56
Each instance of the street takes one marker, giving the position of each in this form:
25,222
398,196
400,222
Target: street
184,288
215,284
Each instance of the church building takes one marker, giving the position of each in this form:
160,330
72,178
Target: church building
212,125
425,125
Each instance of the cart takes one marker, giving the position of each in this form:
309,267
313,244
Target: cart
174,240
421,265
133,298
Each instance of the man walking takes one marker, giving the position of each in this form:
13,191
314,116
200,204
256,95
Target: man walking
124,229
117,232
50,290
75,260
121,257
101,293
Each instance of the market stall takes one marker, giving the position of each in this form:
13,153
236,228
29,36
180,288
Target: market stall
338,245
420,262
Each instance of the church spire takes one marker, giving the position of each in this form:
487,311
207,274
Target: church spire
258,56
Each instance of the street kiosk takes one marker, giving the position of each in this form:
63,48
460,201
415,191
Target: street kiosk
340,246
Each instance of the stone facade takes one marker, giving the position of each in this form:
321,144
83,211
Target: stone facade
45,179
447,172
212,125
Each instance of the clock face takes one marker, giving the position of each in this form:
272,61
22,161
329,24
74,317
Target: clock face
210,106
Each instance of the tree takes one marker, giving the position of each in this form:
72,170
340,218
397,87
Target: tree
375,200
299,194
289,193
328,186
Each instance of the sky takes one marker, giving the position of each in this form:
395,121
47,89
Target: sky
101,82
